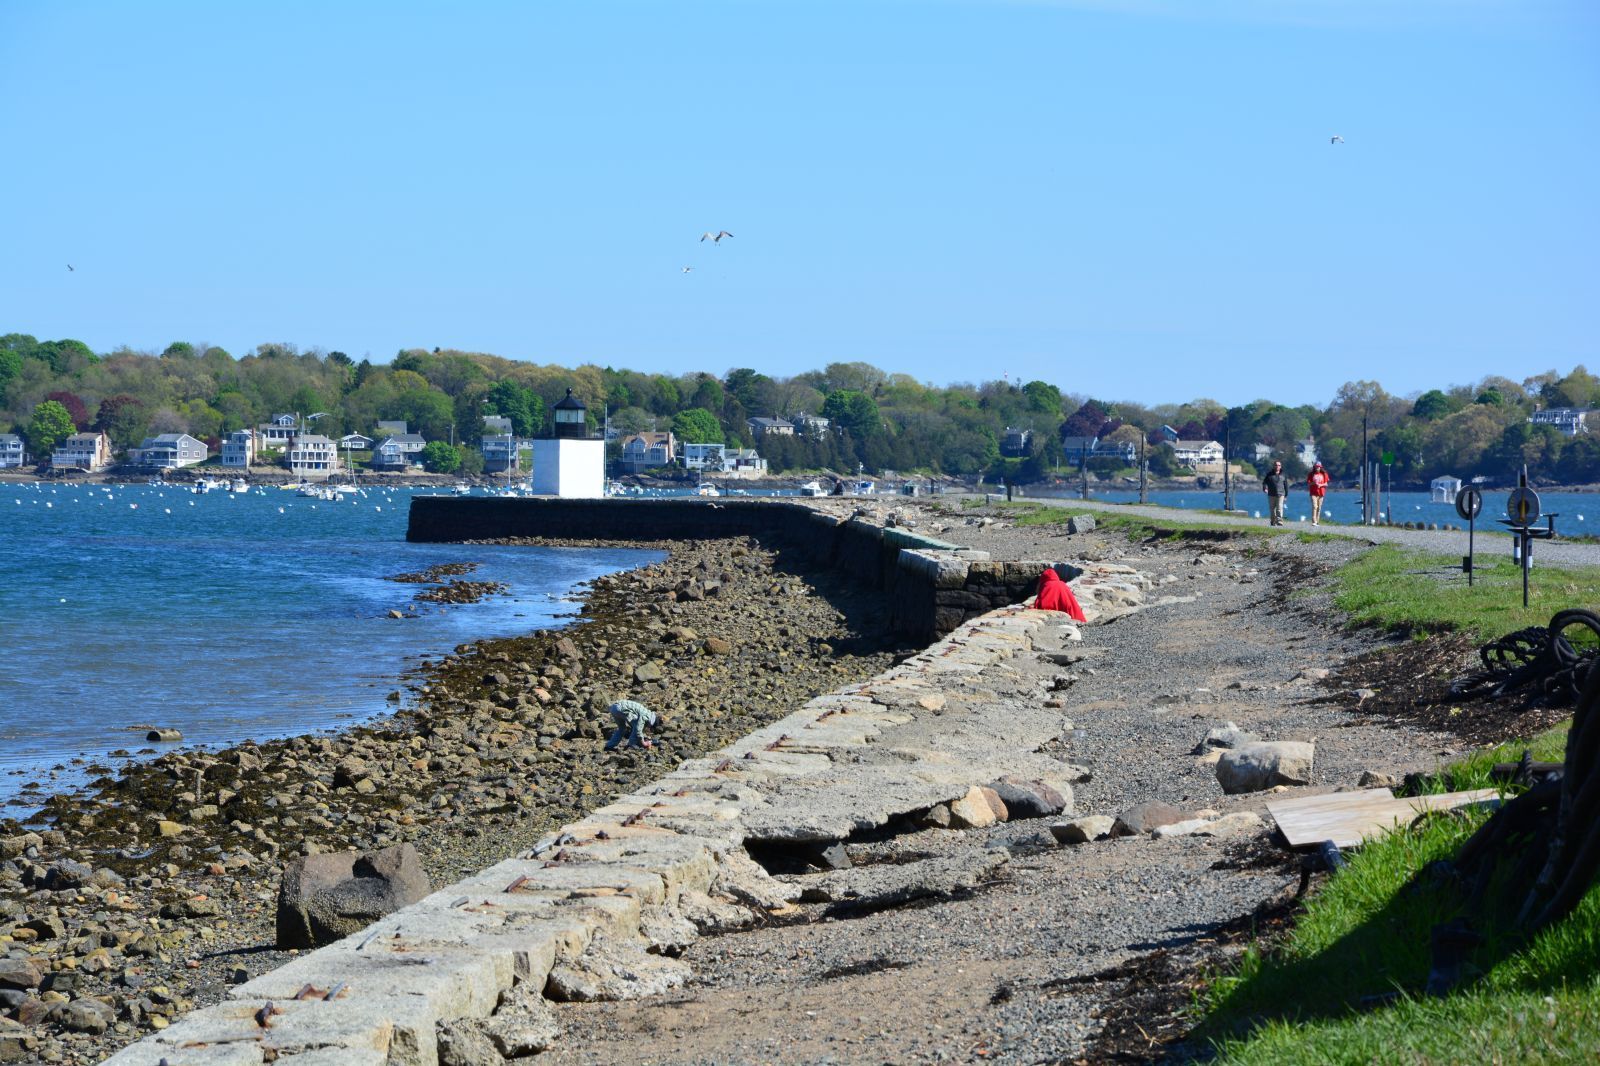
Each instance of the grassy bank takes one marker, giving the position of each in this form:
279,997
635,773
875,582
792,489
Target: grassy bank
1347,984
1424,593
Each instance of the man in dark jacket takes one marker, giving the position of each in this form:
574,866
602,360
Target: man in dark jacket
1277,485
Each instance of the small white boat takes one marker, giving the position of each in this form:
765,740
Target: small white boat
203,486
239,485
866,488
706,488
308,490
462,489
813,488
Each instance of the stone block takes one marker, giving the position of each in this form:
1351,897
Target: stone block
1083,830
325,897
1262,765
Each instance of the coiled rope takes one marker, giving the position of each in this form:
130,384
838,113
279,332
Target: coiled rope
1540,662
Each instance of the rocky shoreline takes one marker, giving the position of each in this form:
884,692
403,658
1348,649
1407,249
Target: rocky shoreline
150,893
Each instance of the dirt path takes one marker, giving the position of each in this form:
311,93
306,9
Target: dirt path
1015,968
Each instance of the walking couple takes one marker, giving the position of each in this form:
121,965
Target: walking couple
1276,484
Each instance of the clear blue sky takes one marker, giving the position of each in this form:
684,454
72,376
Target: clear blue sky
1131,200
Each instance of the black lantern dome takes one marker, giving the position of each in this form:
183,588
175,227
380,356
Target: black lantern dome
571,417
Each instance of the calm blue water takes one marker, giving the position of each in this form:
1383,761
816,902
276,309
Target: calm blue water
228,616
1577,510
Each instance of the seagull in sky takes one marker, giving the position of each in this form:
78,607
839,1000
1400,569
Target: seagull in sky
715,238
1336,139
72,268
687,269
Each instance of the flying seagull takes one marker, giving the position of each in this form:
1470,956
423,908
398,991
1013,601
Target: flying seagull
687,269
715,238
1336,139
72,268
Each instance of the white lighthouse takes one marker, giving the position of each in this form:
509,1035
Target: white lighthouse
571,464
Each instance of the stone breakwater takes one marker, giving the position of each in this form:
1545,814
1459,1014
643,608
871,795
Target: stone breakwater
152,892
601,908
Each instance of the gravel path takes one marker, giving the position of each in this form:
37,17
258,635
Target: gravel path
1570,553
1007,973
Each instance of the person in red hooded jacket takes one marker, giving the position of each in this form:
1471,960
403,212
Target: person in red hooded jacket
1054,595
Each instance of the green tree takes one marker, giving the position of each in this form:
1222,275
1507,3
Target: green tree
1432,406
439,457
855,411
1043,398
50,426
519,403
1491,397
697,426
123,419
179,350
10,367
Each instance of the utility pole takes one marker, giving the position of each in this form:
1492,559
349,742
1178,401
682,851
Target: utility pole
1227,464
1144,473
1366,474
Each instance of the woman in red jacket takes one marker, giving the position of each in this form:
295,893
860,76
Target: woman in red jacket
1054,595
1317,485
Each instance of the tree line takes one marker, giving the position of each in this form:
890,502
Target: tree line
878,420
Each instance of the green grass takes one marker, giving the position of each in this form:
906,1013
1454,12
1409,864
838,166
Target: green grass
1346,986
1137,527
1397,588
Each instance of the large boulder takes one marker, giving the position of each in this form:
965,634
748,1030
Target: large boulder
1028,799
324,898
1264,764
1141,818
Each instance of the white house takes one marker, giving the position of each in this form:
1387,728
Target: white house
811,425
1569,420
1443,489
1078,449
356,442
312,455
12,451
1197,452
85,451
278,433
499,445
239,450
645,451
762,426
1306,451
704,456
172,451
744,462
398,452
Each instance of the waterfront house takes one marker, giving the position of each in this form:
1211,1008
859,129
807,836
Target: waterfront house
239,449
277,433
1168,434
759,427
744,462
399,452
1444,489
1569,420
1077,450
356,442
82,451
811,425
498,445
312,456
646,451
704,457
1198,452
1306,451
171,451
1016,442
12,451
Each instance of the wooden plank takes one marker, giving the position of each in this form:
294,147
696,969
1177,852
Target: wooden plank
1349,818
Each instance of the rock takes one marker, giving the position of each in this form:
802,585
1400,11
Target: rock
1187,827
192,908
47,927
85,1016
646,672
1373,779
1029,799
971,811
1141,818
933,701
1083,830
883,885
395,614
325,897
1264,764
1233,824
349,770
65,873
1080,523
935,817
12,847
1227,735
464,1042
612,970
525,1024
165,736
1314,673
996,804
717,646
20,974
168,829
